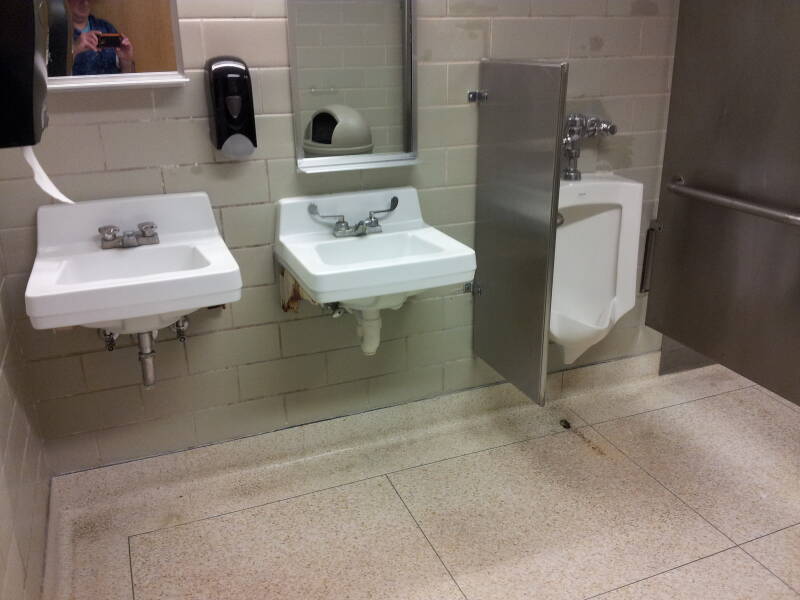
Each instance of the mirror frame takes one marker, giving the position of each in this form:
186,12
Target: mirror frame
77,83
353,162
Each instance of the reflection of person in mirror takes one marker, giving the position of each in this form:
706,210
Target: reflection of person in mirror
92,55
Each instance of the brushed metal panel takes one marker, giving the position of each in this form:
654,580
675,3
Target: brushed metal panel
517,199
726,283
676,357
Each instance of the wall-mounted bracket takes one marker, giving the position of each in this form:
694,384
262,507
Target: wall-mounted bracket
472,287
477,96
649,246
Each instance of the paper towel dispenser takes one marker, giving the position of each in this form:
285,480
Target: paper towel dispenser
23,71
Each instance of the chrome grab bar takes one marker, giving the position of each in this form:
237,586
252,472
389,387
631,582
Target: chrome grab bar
680,188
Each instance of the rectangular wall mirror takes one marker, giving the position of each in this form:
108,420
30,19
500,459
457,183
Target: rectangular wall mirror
113,43
353,83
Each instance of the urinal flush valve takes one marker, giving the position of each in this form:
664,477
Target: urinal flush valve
576,128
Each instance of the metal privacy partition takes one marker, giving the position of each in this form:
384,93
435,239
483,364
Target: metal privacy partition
521,111
725,277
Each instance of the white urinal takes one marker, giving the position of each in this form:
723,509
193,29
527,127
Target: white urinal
597,249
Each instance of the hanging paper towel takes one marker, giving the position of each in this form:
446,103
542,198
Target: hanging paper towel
41,178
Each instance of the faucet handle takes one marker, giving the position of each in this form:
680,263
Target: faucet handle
148,228
108,232
313,210
392,207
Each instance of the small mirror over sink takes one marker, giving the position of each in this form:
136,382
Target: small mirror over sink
353,84
113,43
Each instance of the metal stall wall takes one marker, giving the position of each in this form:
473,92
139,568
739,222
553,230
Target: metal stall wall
520,120
726,271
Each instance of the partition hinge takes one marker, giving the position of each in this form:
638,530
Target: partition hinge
472,287
649,247
477,96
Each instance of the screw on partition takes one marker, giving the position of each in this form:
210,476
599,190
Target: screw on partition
477,96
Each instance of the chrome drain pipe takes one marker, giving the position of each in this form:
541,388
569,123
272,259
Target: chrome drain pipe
147,356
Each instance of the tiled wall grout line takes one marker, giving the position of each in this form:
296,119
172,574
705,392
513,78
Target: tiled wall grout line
427,539
243,399
284,428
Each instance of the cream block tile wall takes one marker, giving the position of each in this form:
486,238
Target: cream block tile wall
251,368
24,474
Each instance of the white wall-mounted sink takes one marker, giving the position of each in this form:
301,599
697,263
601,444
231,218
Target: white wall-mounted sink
372,272
131,290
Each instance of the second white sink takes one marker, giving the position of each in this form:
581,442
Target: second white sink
367,273
408,256
373,249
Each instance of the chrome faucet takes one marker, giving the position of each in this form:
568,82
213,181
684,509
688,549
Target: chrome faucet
341,228
576,128
145,236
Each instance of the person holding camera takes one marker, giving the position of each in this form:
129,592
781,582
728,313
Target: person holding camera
95,51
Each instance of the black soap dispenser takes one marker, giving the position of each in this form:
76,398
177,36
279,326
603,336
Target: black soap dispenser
233,126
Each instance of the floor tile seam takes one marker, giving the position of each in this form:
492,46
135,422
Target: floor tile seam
652,410
487,449
427,539
343,484
130,566
246,508
668,490
763,535
430,432
770,571
346,483
634,382
607,388
577,416
791,406
665,571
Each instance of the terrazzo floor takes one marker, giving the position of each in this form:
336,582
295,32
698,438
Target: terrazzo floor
685,486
